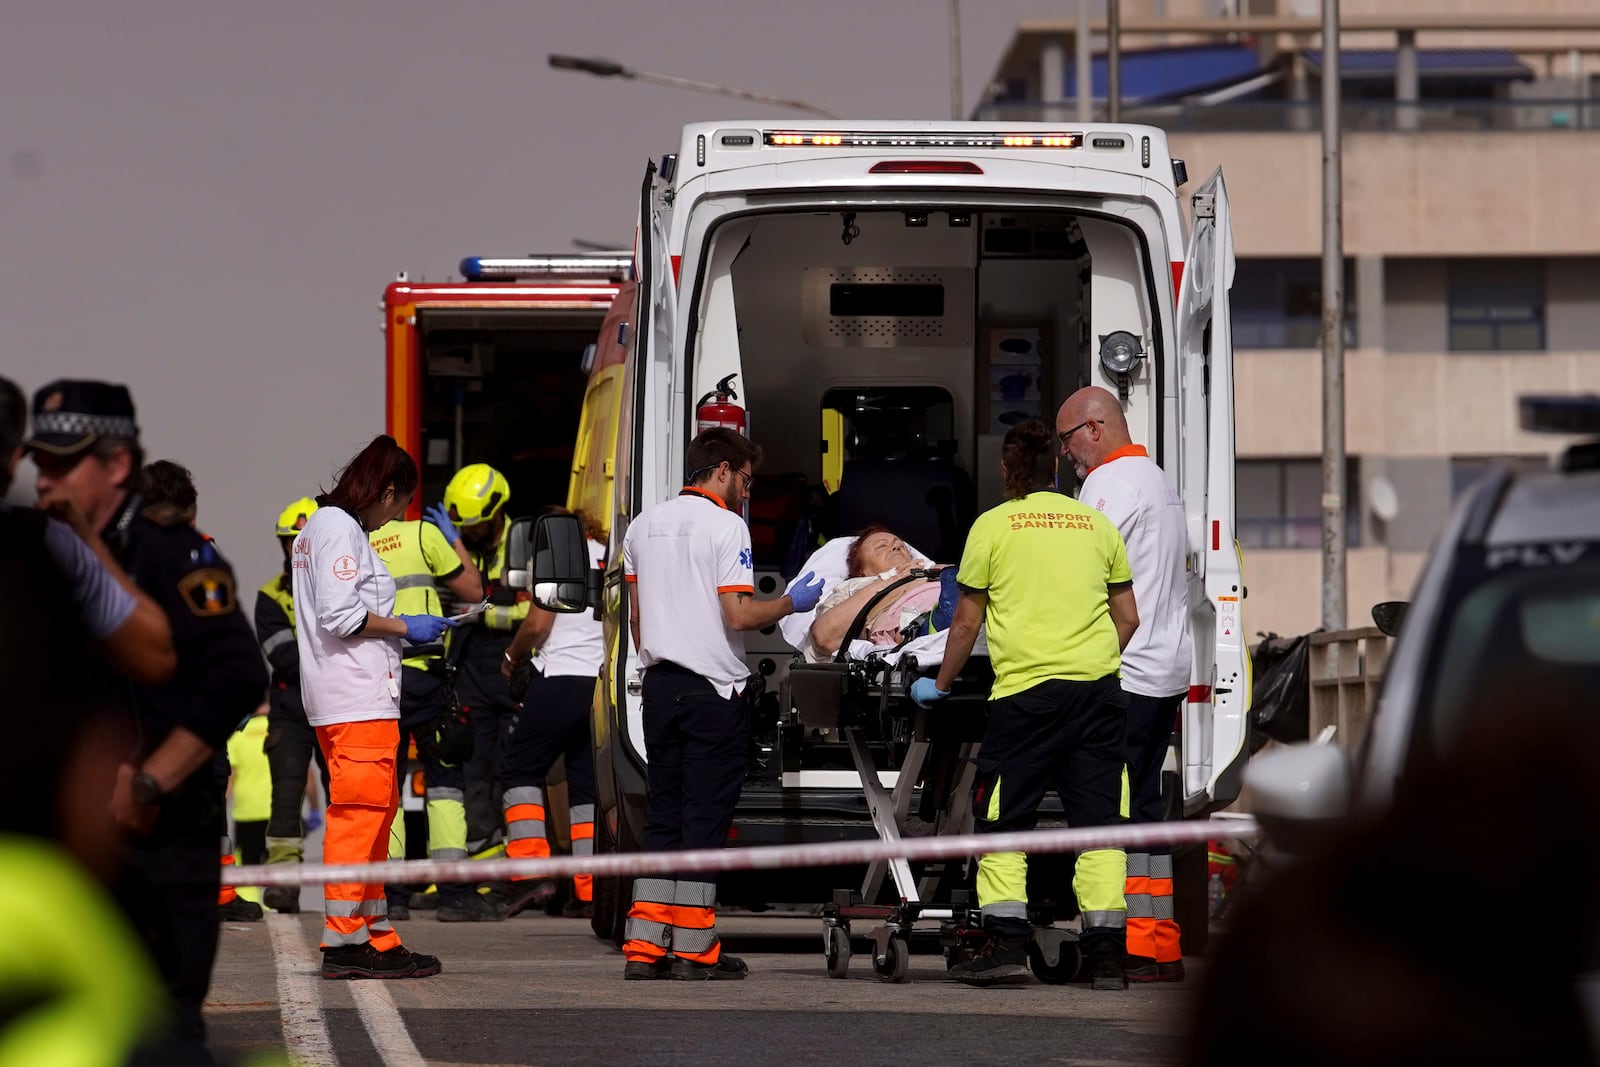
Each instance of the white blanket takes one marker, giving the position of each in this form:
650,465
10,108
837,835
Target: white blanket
929,650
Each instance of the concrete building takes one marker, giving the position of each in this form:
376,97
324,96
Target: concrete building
1472,245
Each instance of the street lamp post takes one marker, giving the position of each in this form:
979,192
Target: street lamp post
607,68
1334,503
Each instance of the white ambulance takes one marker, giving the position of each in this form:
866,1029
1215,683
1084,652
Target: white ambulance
876,303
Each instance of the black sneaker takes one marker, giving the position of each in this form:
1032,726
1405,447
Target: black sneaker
1143,969
240,910
726,969
471,909
1003,961
364,961
531,896
646,971
426,966
283,899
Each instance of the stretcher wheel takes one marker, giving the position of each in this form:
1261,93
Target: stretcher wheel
838,952
1063,971
893,966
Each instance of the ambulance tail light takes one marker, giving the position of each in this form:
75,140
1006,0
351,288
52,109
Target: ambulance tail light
925,166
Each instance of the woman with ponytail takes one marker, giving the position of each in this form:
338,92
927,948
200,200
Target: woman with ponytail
350,681
1048,578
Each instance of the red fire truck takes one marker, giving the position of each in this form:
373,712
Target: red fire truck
496,366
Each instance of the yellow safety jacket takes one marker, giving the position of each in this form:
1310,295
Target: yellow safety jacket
418,558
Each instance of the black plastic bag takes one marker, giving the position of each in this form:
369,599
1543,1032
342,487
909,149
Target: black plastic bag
1281,709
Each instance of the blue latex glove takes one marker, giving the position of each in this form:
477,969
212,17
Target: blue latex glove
925,691
806,592
425,629
439,515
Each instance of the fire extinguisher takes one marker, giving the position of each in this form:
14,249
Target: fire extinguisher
717,408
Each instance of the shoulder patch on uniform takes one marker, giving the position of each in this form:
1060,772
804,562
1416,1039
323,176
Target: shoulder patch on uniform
208,591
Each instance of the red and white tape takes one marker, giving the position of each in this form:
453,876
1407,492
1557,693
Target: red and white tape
765,857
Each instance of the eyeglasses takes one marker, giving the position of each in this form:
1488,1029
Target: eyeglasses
748,479
1066,435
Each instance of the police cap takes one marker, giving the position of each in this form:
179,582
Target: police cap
70,416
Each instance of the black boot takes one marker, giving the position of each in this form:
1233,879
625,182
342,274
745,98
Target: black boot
1102,959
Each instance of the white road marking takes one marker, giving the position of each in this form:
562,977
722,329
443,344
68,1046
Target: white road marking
305,1029
384,1025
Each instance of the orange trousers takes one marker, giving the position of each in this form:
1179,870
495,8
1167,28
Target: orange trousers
363,796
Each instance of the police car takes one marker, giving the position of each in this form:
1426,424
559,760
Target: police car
1511,590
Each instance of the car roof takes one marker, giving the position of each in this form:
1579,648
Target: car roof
1547,506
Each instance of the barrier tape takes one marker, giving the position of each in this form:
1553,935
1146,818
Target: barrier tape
762,857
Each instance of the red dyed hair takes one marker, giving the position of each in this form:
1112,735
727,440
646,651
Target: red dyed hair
383,464
852,558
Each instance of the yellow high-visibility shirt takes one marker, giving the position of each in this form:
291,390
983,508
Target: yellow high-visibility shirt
252,776
1046,562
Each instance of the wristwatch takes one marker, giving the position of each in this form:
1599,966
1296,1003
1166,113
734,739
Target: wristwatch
146,790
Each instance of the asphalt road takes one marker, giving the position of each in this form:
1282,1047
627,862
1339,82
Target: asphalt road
541,990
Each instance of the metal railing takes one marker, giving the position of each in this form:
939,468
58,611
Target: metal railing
1356,115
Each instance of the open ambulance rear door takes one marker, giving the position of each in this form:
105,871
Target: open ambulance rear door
1215,727
644,442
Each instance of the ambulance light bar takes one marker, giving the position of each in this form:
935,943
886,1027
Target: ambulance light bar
612,266
907,139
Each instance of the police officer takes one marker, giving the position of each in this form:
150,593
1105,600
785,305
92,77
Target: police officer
291,743
1049,578
689,567
85,444
476,502
1120,479
422,556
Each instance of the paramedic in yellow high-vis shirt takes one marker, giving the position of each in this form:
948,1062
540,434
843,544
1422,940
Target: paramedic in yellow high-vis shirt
1048,577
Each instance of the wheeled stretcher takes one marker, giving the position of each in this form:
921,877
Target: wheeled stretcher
863,697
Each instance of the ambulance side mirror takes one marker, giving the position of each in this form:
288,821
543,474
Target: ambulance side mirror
549,557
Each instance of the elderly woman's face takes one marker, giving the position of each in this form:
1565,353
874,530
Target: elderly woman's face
883,551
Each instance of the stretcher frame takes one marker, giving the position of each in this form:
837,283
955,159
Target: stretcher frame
859,697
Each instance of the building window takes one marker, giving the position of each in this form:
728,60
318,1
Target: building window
1277,303
1279,503
1464,470
1496,305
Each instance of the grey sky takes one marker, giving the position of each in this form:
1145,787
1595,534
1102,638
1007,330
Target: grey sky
206,199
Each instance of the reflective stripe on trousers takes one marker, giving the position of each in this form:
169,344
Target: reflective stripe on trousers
1152,925
227,894
672,916
364,795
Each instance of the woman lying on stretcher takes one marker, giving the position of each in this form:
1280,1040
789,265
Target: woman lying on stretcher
877,560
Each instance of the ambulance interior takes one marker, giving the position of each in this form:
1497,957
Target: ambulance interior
503,387
882,356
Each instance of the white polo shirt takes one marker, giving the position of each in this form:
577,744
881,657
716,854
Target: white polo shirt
1133,493
681,556
576,647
